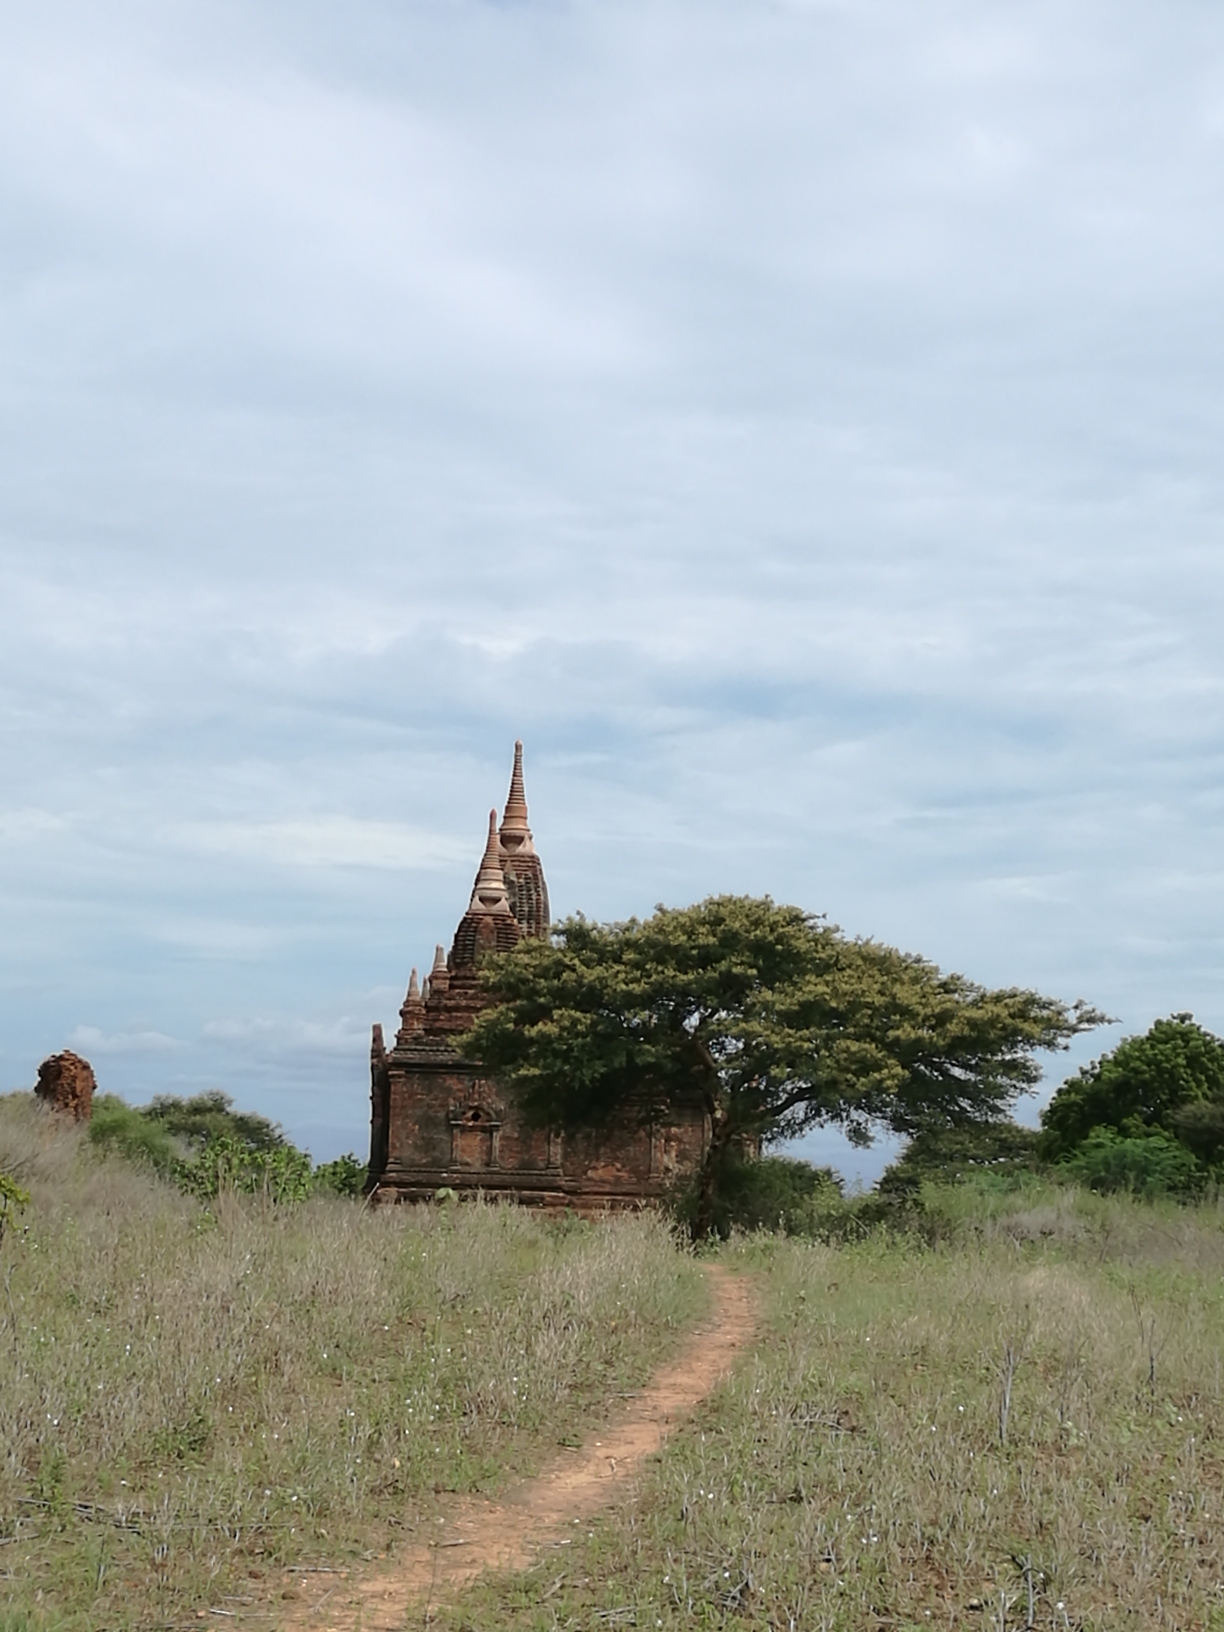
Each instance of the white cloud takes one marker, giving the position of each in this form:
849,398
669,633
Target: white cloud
287,1034
93,1040
324,841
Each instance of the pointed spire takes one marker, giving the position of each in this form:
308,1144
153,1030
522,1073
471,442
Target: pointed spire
515,833
489,891
412,1011
412,1003
439,975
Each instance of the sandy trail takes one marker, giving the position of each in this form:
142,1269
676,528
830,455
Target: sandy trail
477,1535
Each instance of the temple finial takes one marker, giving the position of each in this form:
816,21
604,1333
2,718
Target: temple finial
439,975
489,891
515,833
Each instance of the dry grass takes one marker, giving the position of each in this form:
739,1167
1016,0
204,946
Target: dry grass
1023,1428
188,1399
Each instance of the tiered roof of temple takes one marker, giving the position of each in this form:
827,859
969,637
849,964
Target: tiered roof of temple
509,900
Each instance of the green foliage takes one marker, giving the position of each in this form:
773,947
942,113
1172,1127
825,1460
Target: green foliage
205,1147
346,1176
1145,1162
1172,1078
765,1018
1147,1117
226,1163
127,1131
951,1155
12,1199
209,1116
771,1193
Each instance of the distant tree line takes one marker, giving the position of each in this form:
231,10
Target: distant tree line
205,1146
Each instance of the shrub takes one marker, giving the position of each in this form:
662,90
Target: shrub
1143,1162
766,1193
122,1129
346,1176
227,1164
211,1115
1002,1149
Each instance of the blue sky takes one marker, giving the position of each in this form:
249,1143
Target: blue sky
800,422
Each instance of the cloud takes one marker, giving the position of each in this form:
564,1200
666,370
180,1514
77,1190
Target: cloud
799,422
287,1034
92,1040
324,841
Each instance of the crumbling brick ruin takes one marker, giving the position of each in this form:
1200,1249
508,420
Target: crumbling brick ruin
66,1082
438,1122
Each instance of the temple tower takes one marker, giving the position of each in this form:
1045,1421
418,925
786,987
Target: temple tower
437,1121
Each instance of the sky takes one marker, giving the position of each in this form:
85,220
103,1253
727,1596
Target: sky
799,421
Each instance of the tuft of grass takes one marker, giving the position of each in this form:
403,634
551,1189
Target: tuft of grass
190,1398
1015,1428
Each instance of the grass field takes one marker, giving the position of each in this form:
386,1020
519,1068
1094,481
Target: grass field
189,1398
1021,1427
1013,1419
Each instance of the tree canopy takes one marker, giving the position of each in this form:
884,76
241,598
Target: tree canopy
1170,1080
771,1018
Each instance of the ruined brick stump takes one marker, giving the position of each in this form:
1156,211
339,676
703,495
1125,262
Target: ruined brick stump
66,1082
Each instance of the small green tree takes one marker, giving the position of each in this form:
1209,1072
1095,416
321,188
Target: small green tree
346,1176
1171,1079
768,1019
949,1155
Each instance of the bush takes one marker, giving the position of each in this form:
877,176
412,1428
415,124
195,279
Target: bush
1004,1150
1142,1162
227,1164
766,1193
211,1115
125,1131
346,1176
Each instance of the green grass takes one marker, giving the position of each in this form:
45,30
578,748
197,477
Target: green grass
191,1398
1022,1426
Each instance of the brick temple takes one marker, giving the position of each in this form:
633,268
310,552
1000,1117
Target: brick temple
438,1121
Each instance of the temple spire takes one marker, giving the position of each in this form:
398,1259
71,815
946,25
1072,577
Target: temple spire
439,975
413,1000
515,833
489,891
412,1010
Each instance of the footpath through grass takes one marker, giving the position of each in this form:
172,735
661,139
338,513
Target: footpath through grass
190,1399
1021,1427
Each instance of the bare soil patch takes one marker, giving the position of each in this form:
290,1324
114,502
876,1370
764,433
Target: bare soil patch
509,1534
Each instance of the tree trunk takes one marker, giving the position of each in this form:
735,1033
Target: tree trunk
705,1211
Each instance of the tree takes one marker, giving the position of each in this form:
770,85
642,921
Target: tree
211,1115
949,1155
1171,1079
770,1017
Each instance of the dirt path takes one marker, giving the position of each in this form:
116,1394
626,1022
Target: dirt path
478,1535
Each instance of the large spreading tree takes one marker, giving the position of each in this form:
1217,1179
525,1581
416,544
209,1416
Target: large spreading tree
770,1018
